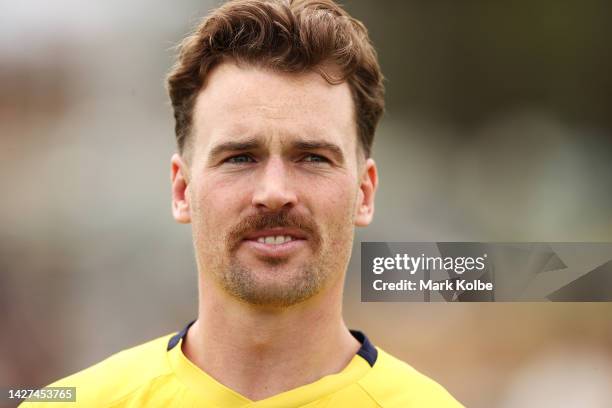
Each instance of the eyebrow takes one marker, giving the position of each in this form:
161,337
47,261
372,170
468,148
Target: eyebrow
334,149
232,146
255,143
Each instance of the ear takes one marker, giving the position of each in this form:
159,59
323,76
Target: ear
367,190
180,190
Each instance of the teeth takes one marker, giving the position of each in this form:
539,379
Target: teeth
274,240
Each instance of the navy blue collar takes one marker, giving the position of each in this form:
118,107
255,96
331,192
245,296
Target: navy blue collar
367,350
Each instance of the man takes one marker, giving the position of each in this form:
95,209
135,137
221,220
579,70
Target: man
276,103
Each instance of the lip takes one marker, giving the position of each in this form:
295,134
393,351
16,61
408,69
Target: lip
294,233
275,251
283,250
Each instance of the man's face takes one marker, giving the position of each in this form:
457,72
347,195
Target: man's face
273,186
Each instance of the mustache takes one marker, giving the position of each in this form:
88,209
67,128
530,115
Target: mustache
282,219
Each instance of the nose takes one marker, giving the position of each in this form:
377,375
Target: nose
274,188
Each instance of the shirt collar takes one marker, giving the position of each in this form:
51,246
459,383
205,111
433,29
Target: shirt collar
367,350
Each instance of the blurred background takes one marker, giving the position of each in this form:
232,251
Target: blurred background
499,128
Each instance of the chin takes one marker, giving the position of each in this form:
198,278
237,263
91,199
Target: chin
275,286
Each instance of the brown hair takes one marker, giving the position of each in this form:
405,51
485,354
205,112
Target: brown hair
284,35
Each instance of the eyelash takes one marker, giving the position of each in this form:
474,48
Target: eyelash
230,159
320,159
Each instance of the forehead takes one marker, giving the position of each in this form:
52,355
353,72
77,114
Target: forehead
245,101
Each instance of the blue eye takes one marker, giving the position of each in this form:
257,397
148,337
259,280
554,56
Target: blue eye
240,159
315,158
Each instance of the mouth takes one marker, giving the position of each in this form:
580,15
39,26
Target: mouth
276,242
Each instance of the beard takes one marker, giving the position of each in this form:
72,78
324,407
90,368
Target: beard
243,283
281,283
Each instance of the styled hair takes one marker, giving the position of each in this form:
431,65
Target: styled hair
288,36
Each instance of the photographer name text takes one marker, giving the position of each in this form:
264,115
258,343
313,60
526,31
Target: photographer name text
421,285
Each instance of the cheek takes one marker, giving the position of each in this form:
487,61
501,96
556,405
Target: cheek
216,205
336,204
336,219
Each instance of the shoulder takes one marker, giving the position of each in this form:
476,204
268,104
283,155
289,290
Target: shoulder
119,375
393,383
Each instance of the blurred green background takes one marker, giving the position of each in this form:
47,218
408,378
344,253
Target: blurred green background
499,128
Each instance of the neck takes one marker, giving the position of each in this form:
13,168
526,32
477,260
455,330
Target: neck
259,352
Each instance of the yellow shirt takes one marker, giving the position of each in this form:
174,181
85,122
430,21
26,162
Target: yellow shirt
157,374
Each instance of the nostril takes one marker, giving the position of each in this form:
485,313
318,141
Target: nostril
273,198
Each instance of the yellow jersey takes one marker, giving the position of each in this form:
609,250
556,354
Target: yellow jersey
158,374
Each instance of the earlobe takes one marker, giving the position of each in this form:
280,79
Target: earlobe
180,190
367,192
